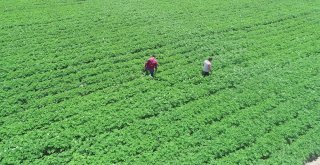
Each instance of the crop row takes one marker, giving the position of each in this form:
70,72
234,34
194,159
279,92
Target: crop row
110,120
77,55
105,96
72,90
70,79
282,136
170,125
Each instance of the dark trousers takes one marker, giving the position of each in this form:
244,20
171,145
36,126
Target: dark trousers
205,73
150,71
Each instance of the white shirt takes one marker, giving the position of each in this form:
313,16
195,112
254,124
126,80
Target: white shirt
206,66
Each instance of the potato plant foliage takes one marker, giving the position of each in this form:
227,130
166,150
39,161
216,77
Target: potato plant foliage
72,90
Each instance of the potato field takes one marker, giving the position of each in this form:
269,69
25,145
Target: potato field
73,91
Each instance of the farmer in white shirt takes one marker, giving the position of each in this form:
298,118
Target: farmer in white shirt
206,67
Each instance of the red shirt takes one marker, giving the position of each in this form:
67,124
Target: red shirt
151,64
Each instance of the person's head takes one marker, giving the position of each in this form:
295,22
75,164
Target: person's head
210,59
154,56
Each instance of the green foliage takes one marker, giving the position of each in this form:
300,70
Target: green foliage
72,90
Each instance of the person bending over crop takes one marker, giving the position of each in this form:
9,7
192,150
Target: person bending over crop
151,66
206,67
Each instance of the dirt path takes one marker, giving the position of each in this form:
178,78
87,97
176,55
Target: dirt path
315,162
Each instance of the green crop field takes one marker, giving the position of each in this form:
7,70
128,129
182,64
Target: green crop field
72,89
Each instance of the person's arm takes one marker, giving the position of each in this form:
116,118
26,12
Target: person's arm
209,67
156,65
145,65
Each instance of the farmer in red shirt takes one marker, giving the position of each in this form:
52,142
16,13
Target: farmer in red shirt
151,66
